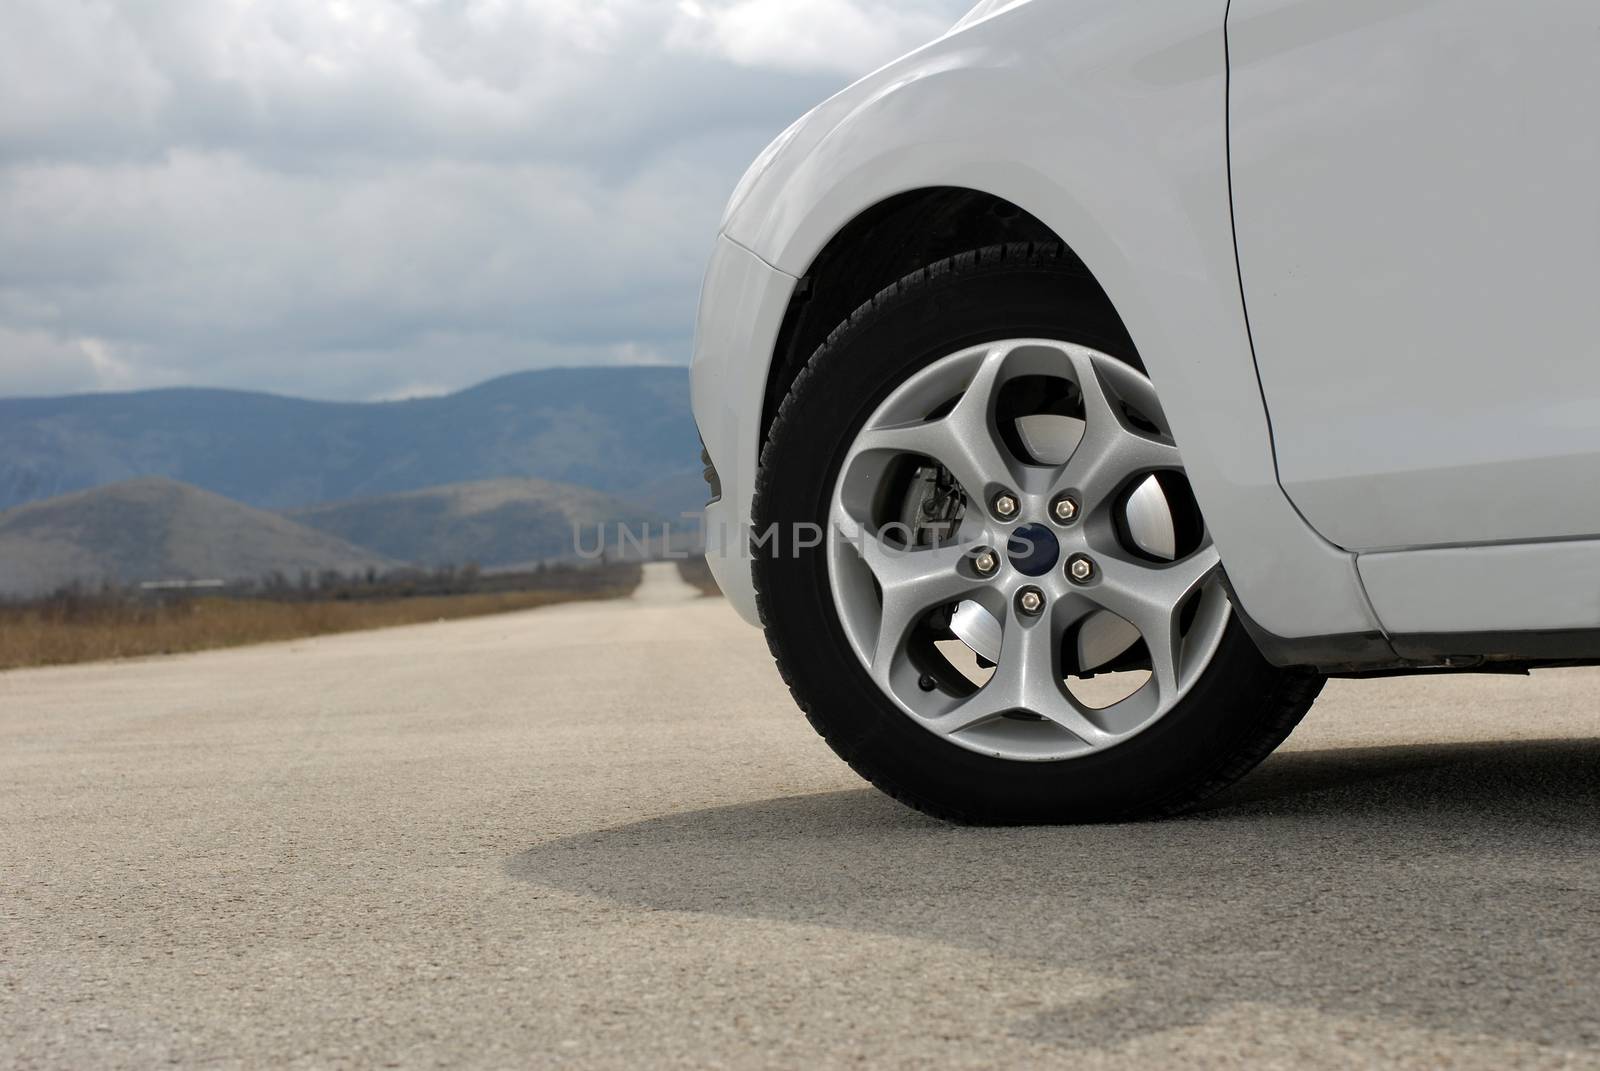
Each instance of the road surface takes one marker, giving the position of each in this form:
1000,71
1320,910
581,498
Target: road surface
600,836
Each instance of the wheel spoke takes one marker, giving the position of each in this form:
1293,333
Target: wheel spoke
1151,598
1067,714
913,581
965,441
1027,677
931,438
983,458
1098,405
1110,450
1026,663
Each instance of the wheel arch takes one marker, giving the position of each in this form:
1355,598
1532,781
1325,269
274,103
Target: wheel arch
881,245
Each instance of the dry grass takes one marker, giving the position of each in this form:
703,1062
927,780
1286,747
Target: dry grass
63,631
697,573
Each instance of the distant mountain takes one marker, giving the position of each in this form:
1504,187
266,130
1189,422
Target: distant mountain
158,529
490,522
621,430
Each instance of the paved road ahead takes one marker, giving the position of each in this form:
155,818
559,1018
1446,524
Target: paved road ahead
600,834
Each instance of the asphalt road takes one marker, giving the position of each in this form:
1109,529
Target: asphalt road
600,835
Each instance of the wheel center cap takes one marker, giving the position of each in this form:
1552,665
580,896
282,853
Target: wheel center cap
1033,550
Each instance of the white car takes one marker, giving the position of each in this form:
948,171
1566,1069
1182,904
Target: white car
1082,389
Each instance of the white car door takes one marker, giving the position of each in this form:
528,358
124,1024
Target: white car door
1416,195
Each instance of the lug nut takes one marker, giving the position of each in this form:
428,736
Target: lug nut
985,562
1030,601
1081,569
1005,505
1064,509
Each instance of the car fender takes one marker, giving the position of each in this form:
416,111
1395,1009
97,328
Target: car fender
1107,122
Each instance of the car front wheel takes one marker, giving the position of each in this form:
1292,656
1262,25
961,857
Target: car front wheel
981,568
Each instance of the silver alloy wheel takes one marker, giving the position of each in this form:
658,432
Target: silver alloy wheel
1118,585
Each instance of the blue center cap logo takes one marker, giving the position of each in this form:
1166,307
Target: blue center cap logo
1033,550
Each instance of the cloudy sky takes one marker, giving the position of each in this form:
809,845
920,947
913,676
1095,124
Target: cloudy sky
380,198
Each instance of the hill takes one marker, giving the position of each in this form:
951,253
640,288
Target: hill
489,522
621,430
158,529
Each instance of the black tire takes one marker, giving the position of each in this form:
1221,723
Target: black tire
1234,715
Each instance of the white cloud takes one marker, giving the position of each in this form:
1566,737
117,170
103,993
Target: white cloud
362,197
838,36
35,362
